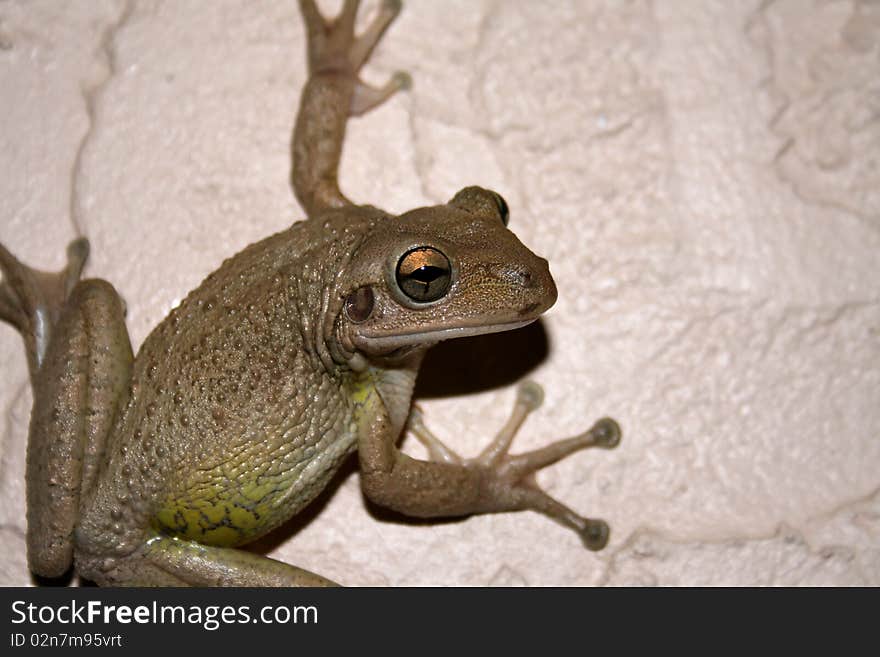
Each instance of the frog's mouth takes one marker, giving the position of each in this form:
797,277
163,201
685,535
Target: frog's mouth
384,344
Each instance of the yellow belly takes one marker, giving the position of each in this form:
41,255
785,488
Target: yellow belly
222,517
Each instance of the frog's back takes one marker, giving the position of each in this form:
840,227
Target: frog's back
236,419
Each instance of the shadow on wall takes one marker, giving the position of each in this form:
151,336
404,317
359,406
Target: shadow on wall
484,362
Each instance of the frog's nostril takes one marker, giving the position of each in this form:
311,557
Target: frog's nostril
518,276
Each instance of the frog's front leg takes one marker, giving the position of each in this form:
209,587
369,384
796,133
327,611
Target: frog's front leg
495,481
333,93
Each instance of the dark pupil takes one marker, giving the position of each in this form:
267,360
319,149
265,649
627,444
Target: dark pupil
423,274
421,279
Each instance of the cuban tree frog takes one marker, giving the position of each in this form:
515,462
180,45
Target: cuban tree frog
294,354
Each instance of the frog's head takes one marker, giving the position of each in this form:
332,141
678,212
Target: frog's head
437,273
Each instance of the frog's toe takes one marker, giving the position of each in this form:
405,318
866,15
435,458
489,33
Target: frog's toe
312,16
402,80
595,535
607,433
31,300
78,253
530,394
363,45
507,491
366,97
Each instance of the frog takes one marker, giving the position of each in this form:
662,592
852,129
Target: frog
297,353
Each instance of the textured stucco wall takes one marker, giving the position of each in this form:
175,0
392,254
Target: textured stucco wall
702,176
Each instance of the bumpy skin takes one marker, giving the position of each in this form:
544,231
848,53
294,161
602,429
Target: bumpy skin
239,417
295,353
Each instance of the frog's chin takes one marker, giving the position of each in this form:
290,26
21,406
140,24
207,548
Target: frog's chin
406,342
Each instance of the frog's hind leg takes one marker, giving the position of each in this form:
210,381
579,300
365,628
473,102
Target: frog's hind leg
193,564
333,93
80,359
168,561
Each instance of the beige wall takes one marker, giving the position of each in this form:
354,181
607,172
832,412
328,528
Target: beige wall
702,176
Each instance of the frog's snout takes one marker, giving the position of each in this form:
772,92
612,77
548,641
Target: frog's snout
540,283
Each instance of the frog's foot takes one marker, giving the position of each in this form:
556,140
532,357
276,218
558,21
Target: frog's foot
32,300
334,47
510,478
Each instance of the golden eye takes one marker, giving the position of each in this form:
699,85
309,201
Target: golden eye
424,274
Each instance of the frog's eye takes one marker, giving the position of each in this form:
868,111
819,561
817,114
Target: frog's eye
424,274
503,210
477,200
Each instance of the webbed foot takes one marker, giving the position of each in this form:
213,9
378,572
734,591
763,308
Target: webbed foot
511,478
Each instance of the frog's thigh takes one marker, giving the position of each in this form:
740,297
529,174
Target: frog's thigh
166,561
77,389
